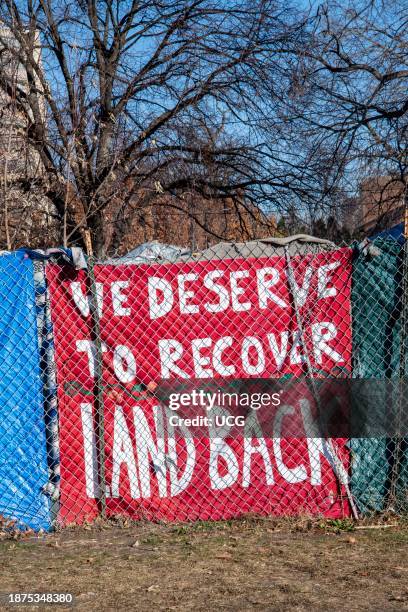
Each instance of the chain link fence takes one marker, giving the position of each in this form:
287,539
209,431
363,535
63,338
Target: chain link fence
265,377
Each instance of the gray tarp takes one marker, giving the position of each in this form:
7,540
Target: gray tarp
156,252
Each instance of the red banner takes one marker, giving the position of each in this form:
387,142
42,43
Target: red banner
229,319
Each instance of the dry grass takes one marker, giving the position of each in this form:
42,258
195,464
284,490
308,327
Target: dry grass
265,564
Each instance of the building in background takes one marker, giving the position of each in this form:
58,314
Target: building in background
27,216
378,207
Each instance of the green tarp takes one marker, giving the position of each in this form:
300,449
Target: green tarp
376,314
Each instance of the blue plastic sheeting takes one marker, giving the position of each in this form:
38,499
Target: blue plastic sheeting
23,460
396,232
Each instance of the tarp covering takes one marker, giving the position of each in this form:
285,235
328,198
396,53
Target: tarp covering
396,232
23,465
376,314
299,244
152,251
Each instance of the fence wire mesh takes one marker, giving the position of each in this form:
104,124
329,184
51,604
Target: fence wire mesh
266,377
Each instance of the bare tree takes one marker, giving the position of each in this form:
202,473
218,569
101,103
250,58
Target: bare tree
112,84
352,80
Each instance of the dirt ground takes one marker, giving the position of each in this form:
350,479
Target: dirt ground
248,564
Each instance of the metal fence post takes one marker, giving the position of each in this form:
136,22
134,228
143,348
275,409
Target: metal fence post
98,388
397,441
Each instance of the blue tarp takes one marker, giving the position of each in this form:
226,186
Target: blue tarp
396,232
23,460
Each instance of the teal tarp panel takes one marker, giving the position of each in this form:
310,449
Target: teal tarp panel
23,461
376,316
